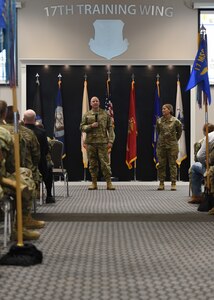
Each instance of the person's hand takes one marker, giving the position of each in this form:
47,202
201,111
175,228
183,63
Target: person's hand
109,146
94,125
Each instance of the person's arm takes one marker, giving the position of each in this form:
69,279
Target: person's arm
197,147
158,125
178,129
84,126
111,133
35,150
201,155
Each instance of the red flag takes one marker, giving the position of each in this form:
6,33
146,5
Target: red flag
131,146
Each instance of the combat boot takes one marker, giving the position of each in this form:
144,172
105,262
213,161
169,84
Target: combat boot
30,223
173,186
93,185
27,235
161,186
109,185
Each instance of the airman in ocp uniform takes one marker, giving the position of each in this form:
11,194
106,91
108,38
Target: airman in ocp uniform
97,125
169,130
8,180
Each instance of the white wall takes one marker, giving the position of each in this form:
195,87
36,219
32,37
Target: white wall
48,29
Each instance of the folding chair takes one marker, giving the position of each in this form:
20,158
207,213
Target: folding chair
7,208
58,169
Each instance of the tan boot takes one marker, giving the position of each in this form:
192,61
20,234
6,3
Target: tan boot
27,235
161,186
110,186
93,185
196,199
173,186
211,211
30,223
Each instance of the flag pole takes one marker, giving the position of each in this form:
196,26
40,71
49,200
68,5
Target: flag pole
158,86
109,105
135,162
157,114
131,144
203,33
17,168
85,108
108,94
84,175
179,165
207,141
135,169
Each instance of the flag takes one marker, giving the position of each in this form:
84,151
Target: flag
2,14
85,108
37,104
199,74
131,146
2,23
59,117
182,154
8,39
108,103
157,114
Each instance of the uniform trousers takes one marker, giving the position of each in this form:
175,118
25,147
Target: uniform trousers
98,153
197,174
164,155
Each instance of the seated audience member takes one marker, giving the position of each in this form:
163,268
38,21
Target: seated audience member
8,176
199,167
30,122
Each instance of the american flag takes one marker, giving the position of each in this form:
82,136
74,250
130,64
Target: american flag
108,103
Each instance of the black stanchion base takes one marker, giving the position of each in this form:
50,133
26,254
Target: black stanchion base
207,203
26,255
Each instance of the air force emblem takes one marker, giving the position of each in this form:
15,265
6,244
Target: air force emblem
108,41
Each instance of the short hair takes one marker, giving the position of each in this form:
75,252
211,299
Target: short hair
94,97
210,127
9,116
30,116
3,108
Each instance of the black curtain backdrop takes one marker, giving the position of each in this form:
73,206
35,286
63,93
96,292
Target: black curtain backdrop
121,77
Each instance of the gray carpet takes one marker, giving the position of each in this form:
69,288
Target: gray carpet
132,243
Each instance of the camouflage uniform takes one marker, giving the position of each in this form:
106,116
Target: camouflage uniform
26,179
210,172
48,156
97,140
169,132
6,157
29,149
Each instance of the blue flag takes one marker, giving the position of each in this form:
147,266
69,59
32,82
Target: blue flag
199,75
2,14
157,114
59,116
8,37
